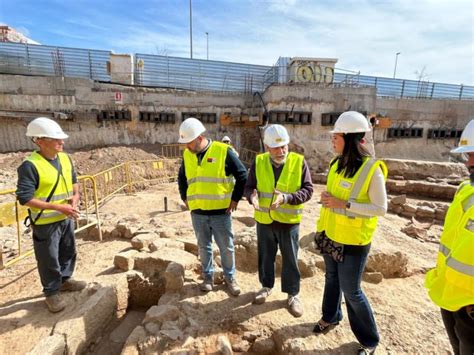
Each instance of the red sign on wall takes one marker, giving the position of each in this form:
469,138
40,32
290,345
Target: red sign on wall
118,98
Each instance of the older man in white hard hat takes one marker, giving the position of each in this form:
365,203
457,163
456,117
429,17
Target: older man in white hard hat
206,185
47,184
279,184
451,284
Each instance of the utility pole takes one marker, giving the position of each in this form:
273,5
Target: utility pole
207,45
395,69
191,27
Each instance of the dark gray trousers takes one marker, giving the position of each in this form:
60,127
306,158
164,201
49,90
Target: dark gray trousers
460,329
55,252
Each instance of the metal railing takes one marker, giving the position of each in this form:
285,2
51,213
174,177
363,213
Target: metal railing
204,75
197,74
402,88
247,156
12,213
385,87
32,59
172,150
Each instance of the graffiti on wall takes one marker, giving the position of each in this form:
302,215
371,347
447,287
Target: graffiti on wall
311,72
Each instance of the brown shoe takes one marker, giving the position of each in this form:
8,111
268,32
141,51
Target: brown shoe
55,303
72,285
233,287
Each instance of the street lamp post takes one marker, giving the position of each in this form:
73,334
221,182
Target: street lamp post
191,27
207,45
395,69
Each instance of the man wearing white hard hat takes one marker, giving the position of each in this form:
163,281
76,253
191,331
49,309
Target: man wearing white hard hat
211,183
451,284
279,184
47,184
226,140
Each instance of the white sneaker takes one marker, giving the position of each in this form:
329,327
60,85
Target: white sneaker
294,306
262,295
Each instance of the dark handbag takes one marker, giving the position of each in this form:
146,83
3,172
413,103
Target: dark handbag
329,247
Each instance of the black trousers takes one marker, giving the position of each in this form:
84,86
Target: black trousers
460,329
55,251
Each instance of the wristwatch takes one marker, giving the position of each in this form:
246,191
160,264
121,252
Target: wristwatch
348,205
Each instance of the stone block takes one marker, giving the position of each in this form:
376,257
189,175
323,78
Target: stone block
399,200
83,325
162,313
131,345
174,275
125,260
425,212
160,243
142,241
388,264
159,260
409,208
372,277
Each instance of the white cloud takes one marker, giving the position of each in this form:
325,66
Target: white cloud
363,34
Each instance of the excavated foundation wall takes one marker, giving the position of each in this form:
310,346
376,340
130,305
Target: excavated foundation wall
83,100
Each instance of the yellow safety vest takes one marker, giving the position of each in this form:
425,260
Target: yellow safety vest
208,186
48,175
288,182
342,225
451,284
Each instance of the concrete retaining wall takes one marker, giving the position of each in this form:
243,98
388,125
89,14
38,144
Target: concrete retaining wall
83,99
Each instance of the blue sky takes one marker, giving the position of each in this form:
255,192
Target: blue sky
435,38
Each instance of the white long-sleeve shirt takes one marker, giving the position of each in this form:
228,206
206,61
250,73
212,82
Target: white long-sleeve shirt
377,195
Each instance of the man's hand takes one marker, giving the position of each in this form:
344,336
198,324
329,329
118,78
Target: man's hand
232,207
278,200
186,204
254,199
329,201
67,210
74,201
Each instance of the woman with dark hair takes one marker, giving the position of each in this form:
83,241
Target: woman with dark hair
355,195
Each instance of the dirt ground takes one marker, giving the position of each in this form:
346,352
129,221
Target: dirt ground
408,322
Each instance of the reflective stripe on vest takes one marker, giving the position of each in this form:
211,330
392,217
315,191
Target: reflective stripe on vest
451,284
48,175
342,225
288,182
208,186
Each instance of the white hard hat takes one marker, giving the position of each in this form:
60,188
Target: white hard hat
276,136
190,129
43,127
351,122
466,143
226,139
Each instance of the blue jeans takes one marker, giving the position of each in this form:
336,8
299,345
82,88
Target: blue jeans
219,226
345,278
55,252
268,240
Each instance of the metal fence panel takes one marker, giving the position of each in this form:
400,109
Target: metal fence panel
390,87
32,59
197,74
